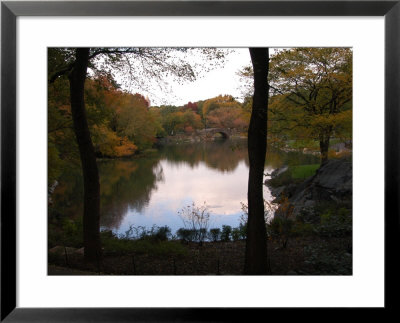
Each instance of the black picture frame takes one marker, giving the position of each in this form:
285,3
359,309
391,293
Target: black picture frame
11,10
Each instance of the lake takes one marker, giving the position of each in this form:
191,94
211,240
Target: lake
152,189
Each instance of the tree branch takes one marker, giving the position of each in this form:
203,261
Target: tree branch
61,72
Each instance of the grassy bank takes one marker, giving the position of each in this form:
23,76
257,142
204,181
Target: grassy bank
294,174
303,171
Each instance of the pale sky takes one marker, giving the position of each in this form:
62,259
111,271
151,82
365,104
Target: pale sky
222,80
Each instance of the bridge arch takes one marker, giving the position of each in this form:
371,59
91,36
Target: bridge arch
224,134
211,132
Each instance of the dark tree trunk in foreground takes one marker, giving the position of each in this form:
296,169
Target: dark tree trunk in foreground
256,243
91,202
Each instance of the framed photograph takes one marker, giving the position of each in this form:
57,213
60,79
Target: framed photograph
173,220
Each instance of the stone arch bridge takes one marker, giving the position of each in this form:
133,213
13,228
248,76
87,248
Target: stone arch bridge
211,132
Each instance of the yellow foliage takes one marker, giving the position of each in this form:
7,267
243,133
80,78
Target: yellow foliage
126,148
311,93
221,101
109,144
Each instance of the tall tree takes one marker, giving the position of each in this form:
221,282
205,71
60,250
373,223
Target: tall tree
310,94
256,243
91,204
312,90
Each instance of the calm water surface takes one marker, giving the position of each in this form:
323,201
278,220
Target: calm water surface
152,190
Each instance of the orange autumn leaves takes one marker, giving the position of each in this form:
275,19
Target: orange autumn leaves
120,123
109,144
224,111
124,123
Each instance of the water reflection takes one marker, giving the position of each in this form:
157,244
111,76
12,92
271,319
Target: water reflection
221,155
151,190
127,185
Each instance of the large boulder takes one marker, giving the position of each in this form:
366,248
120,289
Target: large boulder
333,182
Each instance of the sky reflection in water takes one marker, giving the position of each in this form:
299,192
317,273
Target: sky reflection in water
223,193
150,190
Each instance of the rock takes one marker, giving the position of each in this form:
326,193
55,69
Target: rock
56,250
276,191
53,187
291,272
335,175
309,203
333,182
279,171
51,191
60,250
80,251
280,190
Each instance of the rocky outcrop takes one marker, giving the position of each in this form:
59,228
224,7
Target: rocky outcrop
333,182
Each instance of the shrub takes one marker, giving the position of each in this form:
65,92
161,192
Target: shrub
302,229
107,234
335,221
308,215
226,233
140,232
163,233
152,242
282,179
236,234
215,234
281,225
196,219
280,229
113,245
327,262
155,233
334,226
185,235
243,231
201,234
71,232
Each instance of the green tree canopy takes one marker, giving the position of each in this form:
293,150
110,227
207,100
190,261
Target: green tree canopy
312,93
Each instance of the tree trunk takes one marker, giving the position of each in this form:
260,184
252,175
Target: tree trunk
324,147
91,203
256,242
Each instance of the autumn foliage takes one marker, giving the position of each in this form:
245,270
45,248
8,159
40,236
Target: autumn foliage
312,94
